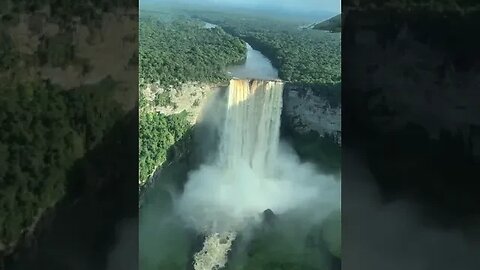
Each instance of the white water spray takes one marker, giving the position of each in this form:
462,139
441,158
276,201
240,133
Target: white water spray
250,175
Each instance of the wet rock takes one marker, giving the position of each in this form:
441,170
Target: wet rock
269,217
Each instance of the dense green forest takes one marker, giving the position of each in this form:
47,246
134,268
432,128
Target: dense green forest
177,49
89,11
180,50
44,130
158,135
300,55
333,24
173,50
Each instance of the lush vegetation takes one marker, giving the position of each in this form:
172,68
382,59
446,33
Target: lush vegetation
175,50
180,50
44,130
333,24
300,55
90,12
159,137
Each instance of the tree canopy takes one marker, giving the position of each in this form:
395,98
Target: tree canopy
158,134
176,50
300,55
181,50
44,131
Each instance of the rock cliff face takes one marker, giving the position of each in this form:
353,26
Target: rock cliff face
304,110
190,97
308,110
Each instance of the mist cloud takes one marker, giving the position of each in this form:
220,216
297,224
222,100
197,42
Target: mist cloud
252,172
224,200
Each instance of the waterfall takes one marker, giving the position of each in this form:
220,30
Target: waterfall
251,131
249,141
252,173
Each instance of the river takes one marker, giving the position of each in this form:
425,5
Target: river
255,66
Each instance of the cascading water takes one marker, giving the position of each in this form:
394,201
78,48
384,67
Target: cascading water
251,132
249,142
250,174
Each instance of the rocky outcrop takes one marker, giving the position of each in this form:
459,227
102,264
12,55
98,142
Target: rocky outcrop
269,218
308,109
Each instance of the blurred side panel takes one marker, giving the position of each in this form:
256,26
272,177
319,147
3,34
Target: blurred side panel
68,134
410,128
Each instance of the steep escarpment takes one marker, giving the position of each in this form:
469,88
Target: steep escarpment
311,121
167,121
313,110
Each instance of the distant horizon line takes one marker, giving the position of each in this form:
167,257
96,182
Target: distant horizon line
216,5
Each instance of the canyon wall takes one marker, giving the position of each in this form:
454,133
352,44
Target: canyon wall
190,97
308,109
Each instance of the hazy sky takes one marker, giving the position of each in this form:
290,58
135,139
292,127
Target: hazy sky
333,6
327,5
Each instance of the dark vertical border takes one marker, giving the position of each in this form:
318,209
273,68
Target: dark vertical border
410,132
69,142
